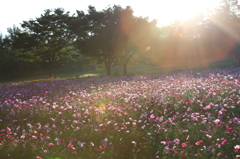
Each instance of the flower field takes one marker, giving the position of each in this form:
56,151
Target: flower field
177,115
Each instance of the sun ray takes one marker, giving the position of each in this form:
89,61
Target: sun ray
166,12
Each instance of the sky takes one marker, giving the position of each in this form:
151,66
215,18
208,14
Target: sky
14,12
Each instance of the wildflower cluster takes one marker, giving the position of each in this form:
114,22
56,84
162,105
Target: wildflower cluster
179,115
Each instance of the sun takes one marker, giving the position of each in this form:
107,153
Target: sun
168,11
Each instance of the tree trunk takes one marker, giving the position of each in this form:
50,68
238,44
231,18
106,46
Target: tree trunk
125,68
108,67
50,69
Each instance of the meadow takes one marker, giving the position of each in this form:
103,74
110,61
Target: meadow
188,114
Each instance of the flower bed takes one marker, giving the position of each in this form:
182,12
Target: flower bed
179,115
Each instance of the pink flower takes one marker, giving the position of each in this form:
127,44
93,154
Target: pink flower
219,154
207,107
70,145
176,141
74,153
152,116
184,144
37,157
197,154
223,141
102,146
209,136
9,130
8,136
218,145
199,142
189,109
51,144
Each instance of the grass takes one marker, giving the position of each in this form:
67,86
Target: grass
133,69
100,72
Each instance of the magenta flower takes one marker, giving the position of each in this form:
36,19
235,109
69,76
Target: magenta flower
102,146
152,116
184,144
199,142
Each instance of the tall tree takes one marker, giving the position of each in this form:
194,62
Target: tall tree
102,43
81,28
226,21
2,53
135,36
9,63
125,55
47,38
115,33
100,48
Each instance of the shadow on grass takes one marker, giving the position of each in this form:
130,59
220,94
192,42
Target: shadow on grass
134,69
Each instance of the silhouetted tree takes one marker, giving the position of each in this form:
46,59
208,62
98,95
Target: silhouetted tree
47,38
114,33
9,63
103,43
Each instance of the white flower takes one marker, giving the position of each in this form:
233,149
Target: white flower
81,144
91,143
216,121
23,136
237,147
134,123
105,140
134,143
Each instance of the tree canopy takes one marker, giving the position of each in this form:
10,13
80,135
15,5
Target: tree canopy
115,36
47,38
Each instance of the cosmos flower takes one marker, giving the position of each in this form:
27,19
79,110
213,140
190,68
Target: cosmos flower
102,146
174,110
199,142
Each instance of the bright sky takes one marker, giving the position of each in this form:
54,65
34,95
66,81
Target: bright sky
14,12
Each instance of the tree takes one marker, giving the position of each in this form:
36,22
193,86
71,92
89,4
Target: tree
47,38
2,53
125,55
115,33
225,22
81,28
101,46
9,63
136,35
124,47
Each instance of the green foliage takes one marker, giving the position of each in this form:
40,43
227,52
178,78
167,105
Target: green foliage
114,35
46,39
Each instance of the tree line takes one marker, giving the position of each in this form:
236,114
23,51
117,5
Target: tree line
114,35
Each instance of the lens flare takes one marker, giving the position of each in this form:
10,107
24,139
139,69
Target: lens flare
148,48
102,107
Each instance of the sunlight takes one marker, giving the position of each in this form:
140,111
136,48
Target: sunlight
169,11
102,107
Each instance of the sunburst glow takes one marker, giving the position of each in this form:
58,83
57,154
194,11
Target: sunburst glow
164,11
167,11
